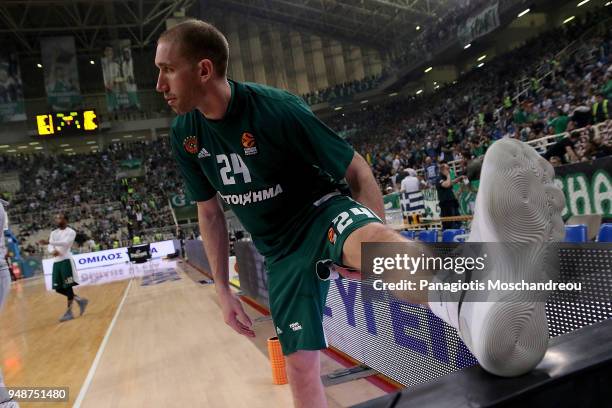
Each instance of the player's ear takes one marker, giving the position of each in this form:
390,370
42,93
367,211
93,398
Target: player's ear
206,69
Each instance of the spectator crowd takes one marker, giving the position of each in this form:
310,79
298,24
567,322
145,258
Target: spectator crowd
89,189
459,121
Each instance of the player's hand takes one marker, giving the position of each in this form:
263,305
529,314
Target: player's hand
234,315
43,242
55,253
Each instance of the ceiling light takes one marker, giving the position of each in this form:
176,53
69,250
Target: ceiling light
567,20
337,108
64,145
4,146
39,65
91,142
393,94
482,57
68,150
466,46
38,148
127,136
522,13
92,62
420,91
428,69
418,27
33,143
364,101
115,140
481,65
12,151
582,3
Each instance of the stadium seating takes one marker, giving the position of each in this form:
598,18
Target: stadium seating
576,233
428,235
605,233
450,234
408,234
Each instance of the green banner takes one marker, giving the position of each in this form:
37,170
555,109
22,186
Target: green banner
587,187
183,207
392,201
131,164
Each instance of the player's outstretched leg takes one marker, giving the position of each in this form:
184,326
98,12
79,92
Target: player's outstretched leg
516,202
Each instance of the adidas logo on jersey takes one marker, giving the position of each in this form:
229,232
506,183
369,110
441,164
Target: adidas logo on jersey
203,153
295,326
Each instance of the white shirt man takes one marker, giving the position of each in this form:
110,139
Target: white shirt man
411,198
64,273
411,183
61,240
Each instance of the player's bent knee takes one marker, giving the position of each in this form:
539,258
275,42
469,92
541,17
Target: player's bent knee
303,362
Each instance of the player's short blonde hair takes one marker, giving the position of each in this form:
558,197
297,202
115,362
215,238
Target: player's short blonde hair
200,40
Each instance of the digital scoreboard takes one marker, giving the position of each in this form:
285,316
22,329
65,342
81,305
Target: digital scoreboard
67,123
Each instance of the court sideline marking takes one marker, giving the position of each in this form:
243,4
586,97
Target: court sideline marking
94,365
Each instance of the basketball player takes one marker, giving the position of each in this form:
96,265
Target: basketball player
5,286
59,245
249,143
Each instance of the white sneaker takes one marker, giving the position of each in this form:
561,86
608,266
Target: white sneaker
516,202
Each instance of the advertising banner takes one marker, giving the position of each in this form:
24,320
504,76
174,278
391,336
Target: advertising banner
107,258
587,187
118,73
61,73
479,25
12,107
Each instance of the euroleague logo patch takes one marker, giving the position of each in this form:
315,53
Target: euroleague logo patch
249,144
331,235
191,144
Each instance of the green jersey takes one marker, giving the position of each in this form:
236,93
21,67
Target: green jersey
269,158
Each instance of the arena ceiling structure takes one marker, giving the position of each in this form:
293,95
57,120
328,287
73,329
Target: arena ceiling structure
92,22
377,23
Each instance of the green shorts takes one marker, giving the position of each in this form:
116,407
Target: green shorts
62,275
297,295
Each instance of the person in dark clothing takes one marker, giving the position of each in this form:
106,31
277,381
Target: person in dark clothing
563,147
449,206
582,116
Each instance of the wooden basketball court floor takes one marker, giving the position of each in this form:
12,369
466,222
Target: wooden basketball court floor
151,340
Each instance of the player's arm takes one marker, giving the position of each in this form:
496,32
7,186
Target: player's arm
213,229
363,186
50,248
66,243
